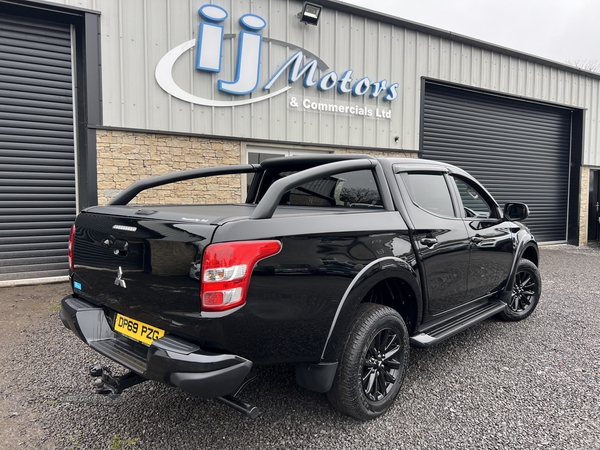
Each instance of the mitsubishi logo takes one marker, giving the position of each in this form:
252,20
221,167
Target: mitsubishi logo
119,281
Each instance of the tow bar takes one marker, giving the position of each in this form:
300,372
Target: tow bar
112,386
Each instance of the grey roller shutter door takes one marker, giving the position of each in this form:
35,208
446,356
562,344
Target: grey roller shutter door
37,162
519,150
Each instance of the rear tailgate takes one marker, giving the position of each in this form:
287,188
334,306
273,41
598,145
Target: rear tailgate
143,264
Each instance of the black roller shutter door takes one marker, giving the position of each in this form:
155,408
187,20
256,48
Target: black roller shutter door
37,163
519,150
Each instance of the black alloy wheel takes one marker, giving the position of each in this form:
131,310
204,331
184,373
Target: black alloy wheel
380,368
523,292
526,292
373,363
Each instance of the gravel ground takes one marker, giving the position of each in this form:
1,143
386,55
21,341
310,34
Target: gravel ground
532,384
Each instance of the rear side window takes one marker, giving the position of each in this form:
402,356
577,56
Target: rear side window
430,192
356,189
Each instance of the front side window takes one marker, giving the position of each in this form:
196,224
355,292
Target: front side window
430,192
473,201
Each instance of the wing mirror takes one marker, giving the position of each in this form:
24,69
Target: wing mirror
516,211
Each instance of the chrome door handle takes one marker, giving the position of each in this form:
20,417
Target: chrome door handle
477,239
428,241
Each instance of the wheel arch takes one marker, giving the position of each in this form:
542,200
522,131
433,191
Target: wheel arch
531,253
527,248
394,291
392,282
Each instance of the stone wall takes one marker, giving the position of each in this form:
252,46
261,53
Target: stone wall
125,157
583,205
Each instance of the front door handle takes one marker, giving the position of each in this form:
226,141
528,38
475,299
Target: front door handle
477,239
428,241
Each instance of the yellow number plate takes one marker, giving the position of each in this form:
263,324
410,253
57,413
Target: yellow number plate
137,330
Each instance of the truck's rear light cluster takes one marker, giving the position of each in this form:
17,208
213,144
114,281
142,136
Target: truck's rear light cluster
226,271
71,244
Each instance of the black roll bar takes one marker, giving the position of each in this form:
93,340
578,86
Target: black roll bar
267,205
129,193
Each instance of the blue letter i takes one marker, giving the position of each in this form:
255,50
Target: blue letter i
210,38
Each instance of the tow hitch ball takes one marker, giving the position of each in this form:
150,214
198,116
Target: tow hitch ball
112,386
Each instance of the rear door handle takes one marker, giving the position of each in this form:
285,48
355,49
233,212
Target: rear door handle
477,239
428,241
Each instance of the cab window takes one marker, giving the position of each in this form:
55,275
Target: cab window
430,192
474,203
357,189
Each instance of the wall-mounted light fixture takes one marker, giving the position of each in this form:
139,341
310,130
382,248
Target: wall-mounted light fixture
310,13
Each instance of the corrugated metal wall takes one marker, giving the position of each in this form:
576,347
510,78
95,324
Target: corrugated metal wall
137,33
37,157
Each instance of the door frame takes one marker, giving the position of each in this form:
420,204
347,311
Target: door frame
594,206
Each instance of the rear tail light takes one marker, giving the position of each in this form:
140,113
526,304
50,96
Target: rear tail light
71,243
226,271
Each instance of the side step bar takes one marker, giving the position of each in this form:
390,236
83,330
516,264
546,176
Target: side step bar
444,330
233,402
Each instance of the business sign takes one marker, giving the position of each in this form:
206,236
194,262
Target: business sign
313,74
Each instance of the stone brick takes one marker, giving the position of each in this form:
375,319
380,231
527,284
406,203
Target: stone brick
129,148
128,140
110,169
583,205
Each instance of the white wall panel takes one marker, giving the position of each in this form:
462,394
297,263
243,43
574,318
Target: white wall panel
441,59
180,17
112,73
136,34
406,45
133,54
594,119
386,64
157,44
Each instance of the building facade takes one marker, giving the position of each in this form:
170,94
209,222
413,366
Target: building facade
97,94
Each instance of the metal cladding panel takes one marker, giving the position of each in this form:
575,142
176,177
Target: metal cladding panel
181,30
157,44
518,150
135,95
37,157
113,78
136,34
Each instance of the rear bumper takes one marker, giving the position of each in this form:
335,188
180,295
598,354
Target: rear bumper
170,359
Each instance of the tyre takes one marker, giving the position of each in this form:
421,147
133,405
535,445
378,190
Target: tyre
525,293
373,363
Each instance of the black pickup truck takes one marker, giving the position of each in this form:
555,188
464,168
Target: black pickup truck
336,264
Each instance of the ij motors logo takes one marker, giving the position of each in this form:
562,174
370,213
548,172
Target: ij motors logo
209,47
